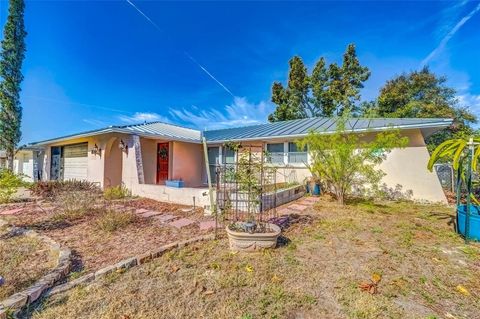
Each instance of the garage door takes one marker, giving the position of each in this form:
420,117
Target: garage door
75,161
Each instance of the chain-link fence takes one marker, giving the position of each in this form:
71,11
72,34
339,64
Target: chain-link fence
446,175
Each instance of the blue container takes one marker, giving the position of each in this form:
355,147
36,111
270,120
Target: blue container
174,183
474,229
316,190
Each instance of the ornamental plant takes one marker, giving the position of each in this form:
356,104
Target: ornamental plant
347,162
464,155
9,184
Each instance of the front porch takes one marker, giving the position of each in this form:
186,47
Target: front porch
150,162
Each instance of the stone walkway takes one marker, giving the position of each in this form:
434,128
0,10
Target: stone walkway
299,205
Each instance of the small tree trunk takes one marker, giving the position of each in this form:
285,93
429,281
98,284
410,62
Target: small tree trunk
340,196
10,156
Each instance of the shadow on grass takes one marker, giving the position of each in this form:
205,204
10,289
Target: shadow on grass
287,221
443,216
283,241
358,201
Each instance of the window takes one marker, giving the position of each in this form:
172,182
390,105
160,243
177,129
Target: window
213,161
228,155
296,155
275,153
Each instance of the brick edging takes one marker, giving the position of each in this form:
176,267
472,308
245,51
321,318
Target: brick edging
126,264
18,300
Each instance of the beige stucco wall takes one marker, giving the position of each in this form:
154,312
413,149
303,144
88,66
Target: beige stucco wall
406,167
113,162
183,196
187,163
149,157
23,164
96,172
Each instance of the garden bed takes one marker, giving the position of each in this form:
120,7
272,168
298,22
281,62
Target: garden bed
365,260
98,239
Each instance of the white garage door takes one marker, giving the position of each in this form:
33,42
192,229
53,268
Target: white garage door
75,161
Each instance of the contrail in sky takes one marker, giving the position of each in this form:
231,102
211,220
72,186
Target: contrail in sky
208,73
186,53
450,34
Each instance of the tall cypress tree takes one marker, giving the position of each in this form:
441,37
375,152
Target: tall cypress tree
11,60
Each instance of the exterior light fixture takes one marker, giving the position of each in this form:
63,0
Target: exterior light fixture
96,150
123,146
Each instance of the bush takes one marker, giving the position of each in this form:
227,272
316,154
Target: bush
349,162
112,220
76,205
9,184
53,188
117,192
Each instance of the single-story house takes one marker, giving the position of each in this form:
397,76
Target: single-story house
23,163
143,157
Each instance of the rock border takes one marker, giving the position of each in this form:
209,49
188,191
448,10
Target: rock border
126,264
19,300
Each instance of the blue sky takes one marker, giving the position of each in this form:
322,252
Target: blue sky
91,64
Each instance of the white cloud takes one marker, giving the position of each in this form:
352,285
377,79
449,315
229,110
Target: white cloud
140,117
471,101
239,113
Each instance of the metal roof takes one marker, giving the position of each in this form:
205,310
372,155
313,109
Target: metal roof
267,131
299,128
152,129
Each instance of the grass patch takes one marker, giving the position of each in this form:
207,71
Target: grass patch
23,260
75,205
111,220
472,253
117,192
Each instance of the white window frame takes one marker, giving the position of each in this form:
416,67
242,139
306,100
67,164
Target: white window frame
285,158
287,153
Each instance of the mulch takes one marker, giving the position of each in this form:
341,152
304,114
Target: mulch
93,248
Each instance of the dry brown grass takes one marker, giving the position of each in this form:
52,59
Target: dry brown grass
112,220
426,272
23,260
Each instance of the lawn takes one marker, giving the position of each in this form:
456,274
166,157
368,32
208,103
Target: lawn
23,260
405,256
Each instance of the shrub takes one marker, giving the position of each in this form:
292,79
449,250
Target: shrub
112,220
346,162
9,184
52,188
76,205
117,192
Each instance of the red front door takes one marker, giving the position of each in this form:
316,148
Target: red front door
162,163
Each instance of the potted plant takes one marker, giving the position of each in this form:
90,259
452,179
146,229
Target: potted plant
250,232
464,156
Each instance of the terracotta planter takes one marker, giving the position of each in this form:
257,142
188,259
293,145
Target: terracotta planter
250,242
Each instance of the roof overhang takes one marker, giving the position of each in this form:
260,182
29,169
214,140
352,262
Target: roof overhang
426,129
108,131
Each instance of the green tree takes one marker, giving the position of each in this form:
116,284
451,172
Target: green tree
291,101
423,94
11,60
346,161
327,91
